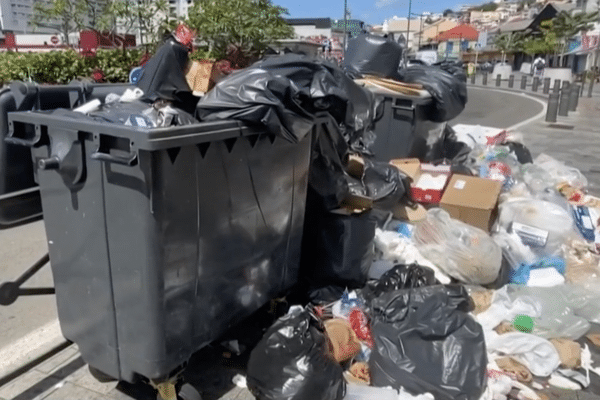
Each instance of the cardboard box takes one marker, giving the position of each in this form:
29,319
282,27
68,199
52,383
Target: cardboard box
355,166
203,75
472,200
409,166
429,187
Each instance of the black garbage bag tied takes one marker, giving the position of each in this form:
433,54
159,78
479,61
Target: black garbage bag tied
373,55
402,276
449,92
425,341
292,362
163,77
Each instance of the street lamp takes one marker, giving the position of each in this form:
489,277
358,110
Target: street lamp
345,25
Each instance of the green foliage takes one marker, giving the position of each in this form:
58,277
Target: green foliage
238,30
64,66
491,6
510,42
140,14
66,16
543,43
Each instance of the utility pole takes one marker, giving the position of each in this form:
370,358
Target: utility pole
407,30
345,25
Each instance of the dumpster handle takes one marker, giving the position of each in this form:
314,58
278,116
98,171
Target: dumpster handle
22,142
128,160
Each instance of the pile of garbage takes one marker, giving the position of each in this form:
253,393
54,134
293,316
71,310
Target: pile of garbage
486,288
470,273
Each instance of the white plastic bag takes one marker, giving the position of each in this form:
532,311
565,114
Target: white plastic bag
541,225
536,353
402,250
462,251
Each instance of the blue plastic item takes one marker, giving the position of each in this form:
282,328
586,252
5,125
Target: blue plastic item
584,223
521,274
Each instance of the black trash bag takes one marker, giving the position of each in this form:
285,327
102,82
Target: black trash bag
163,77
385,184
402,276
258,96
521,151
425,341
455,68
449,92
326,295
337,249
324,86
372,55
291,362
140,113
451,151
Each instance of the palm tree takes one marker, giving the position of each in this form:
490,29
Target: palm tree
565,26
509,43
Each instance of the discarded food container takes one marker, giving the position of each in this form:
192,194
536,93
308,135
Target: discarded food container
19,195
161,239
401,124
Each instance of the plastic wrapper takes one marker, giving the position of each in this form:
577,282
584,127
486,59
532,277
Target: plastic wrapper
400,277
338,249
583,266
560,172
513,250
426,342
561,311
449,92
373,55
163,76
541,225
462,251
547,272
395,247
536,353
291,362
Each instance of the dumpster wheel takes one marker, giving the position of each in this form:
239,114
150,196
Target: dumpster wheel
176,391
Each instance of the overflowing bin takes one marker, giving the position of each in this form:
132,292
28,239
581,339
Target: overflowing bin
161,239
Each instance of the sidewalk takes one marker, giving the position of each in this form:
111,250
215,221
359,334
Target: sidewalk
574,140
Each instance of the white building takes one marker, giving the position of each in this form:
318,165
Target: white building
179,8
15,16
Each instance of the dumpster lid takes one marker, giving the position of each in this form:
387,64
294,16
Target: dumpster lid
140,138
388,87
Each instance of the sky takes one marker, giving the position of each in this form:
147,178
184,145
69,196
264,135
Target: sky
373,12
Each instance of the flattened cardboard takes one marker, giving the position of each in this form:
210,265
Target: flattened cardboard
409,166
472,200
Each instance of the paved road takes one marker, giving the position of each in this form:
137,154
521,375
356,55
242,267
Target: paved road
497,109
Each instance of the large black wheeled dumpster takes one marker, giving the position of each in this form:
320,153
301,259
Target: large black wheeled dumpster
161,239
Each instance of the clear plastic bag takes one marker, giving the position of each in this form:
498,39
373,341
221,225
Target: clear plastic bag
462,251
583,266
541,225
514,251
560,172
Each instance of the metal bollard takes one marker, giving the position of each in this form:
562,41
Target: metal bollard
535,84
552,109
498,80
590,88
563,105
547,85
573,97
524,82
582,87
511,81
556,86
473,79
485,78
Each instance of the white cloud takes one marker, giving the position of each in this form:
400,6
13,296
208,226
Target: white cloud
384,3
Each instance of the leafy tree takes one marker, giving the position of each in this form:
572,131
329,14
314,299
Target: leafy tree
143,15
67,16
543,43
511,42
565,26
238,30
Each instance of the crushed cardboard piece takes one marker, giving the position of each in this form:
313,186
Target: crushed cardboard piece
355,166
508,364
569,352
